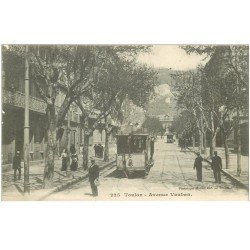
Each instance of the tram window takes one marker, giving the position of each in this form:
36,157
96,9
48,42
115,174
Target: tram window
122,145
138,144
131,144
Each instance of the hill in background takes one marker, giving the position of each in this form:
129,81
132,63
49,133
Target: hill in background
164,103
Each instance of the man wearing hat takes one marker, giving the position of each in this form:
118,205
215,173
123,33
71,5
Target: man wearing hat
93,176
217,166
16,165
198,166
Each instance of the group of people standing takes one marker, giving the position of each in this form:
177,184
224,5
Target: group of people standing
99,149
183,143
216,167
74,159
93,168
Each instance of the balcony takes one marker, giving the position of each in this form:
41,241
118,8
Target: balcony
17,99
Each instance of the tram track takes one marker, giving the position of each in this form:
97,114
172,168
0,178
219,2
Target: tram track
173,175
162,182
184,178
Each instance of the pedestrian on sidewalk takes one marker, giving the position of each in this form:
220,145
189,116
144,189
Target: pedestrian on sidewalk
181,143
100,150
217,166
72,149
152,147
198,166
93,176
64,156
81,149
16,165
74,163
95,149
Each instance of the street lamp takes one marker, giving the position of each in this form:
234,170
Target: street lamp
26,125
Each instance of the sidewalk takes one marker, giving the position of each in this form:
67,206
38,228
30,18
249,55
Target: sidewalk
231,172
13,190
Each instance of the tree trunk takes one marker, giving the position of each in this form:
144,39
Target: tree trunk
50,148
85,151
201,135
212,142
106,147
201,142
193,140
212,145
68,139
205,142
63,111
238,140
226,151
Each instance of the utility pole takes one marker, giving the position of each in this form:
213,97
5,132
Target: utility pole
68,137
201,137
26,125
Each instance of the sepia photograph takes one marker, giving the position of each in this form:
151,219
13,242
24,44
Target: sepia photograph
124,125
125,122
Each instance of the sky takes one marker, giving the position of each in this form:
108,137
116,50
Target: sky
171,56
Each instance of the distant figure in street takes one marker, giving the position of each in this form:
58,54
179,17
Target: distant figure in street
64,160
181,144
95,149
185,144
81,149
72,149
93,177
74,162
217,166
198,166
152,148
16,165
100,150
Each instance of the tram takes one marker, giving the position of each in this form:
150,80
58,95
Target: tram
134,153
170,138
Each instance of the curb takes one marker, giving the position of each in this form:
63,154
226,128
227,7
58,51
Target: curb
235,179
71,182
231,177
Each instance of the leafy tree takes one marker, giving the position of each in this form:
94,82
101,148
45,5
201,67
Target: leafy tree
184,124
226,87
187,89
100,76
73,68
227,69
121,77
153,125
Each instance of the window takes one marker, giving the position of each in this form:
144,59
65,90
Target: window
131,144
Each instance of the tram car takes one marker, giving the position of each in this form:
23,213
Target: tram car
170,138
134,153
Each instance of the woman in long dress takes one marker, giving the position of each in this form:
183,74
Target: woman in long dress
64,160
74,162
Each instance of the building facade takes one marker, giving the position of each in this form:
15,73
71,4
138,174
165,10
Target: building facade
13,101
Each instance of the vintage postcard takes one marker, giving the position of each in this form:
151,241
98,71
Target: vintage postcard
125,122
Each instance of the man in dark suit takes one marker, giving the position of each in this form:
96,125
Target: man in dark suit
152,147
16,165
93,176
217,166
198,166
